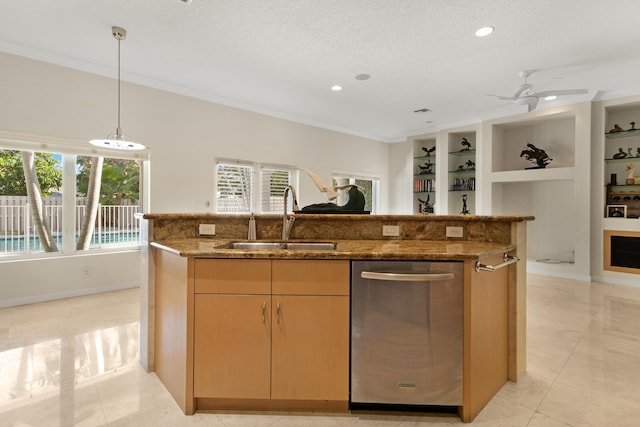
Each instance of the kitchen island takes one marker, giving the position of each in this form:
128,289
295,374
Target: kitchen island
194,280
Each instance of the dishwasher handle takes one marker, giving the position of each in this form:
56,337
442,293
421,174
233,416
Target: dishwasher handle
406,277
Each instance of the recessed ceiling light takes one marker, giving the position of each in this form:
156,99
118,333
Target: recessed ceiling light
336,88
550,97
363,76
484,31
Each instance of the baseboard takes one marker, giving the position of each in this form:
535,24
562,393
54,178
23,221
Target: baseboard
633,282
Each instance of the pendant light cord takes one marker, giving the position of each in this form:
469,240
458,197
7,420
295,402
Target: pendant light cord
119,131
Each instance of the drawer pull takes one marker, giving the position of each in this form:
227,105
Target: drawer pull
264,312
278,313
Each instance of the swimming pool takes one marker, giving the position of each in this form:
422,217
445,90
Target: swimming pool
15,245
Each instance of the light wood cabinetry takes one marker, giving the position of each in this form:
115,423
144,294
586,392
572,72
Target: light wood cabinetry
232,342
271,330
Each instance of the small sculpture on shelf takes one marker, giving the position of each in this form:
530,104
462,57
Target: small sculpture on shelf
465,211
630,151
426,168
537,156
470,165
428,151
616,129
425,206
638,152
631,175
466,145
620,154
633,126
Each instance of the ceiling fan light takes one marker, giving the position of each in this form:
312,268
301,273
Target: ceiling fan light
550,97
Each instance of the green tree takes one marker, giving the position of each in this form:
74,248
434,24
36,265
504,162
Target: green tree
12,178
104,181
120,180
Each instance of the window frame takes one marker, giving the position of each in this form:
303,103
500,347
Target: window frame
353,176
70,150
257,192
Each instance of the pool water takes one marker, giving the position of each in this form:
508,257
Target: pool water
17,244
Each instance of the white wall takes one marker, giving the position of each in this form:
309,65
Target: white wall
185,135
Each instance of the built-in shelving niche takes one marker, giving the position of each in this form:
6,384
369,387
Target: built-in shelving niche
424,174
461,172
557,195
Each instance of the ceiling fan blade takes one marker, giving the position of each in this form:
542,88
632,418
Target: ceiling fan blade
561,92
532,105
505,98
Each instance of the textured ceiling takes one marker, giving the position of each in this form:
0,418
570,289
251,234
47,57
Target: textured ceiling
282,57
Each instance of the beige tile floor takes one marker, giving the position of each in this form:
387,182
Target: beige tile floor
74,363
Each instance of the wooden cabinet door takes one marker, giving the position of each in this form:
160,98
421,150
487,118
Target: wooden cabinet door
232,340
310,347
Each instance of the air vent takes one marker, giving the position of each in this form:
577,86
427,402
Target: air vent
421,110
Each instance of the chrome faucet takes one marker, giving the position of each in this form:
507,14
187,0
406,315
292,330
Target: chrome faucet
287,221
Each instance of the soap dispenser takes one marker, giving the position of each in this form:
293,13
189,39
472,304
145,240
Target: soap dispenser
252,228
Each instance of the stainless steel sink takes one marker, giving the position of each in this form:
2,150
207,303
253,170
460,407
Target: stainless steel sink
311,246
256,246
300,246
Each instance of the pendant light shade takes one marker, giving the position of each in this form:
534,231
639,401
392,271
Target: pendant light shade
118,140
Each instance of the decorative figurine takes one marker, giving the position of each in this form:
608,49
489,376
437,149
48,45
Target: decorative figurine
620,154
536,155
428,151
426,206
466,145
471,166
616,129
461,168
638,152
427,168
633,126
630,151
465,211
631,176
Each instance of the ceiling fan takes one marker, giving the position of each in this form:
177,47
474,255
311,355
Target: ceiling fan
525,95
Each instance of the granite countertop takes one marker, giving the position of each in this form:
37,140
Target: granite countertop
346,249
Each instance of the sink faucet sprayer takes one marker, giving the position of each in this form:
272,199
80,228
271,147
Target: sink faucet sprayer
287,221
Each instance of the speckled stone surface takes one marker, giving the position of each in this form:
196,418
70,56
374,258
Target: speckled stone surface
492,229
358,236
346,249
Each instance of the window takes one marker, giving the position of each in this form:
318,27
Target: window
45,199
237,193
234,188
370,184
273,180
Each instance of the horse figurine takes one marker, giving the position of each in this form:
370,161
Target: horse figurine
536,155
631,175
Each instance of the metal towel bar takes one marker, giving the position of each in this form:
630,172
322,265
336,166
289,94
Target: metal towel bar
508,259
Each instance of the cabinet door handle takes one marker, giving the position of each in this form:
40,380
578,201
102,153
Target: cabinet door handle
278,313
264,311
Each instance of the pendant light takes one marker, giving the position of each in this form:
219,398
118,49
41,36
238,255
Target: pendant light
118,140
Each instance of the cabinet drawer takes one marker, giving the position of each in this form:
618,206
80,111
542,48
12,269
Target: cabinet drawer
232,276
310,277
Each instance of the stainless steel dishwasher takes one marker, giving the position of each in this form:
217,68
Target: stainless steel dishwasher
407,332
